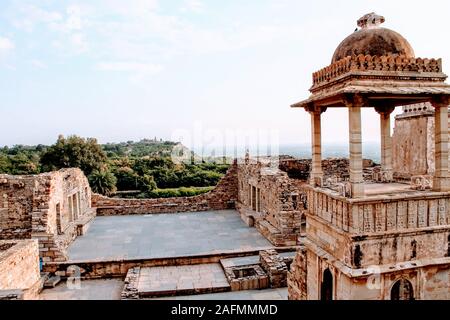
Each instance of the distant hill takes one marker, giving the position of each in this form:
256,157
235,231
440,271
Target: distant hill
143,148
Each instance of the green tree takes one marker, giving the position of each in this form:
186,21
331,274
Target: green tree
5,164
103,182
147,183
74,152
127,179
23,164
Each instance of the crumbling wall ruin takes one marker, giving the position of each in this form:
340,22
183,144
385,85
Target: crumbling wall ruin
271,201
19,269
51,207
271,193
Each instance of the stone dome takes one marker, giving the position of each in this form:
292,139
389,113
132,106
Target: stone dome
373,40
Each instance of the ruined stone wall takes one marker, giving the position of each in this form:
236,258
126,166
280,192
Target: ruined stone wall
16,205
49,207
297,277
271,194
221,198
19,265
272,200
65,207
413,145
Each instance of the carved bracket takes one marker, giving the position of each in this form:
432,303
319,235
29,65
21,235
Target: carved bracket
441,101
311,108
384,110
355,100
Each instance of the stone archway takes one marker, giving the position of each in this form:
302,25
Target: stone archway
402,290
326,292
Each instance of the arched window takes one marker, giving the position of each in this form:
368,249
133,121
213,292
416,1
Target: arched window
326,293
402,290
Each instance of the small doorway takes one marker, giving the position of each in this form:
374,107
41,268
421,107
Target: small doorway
326,292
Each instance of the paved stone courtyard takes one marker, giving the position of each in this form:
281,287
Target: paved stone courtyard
168,280
165,235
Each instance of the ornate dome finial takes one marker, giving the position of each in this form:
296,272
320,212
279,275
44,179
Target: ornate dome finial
370,20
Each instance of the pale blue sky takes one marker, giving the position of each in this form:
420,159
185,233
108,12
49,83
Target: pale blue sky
121,70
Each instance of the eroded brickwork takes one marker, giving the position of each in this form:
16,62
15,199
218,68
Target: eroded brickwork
271,194
276,268
19,268
271,201
52,207
296,280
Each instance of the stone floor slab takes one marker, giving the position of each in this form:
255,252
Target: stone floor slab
161,281
165,235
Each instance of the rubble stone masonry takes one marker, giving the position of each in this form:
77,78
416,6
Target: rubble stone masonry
271,194
51,207
19,268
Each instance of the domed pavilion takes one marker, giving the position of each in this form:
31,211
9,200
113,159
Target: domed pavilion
375,67
374,237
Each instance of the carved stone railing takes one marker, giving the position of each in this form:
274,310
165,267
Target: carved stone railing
380,215
376,63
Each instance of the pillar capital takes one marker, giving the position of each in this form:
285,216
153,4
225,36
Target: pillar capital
384,110
355,100
440,101
312,108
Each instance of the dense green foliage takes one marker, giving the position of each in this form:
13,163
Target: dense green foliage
103,182
74,152
143,148
145,167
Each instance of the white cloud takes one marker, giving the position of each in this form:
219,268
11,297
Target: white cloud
31,15
79,43
74,20
137,71
38,64
147,68
195,6
6,44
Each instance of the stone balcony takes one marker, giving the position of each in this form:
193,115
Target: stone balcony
386,207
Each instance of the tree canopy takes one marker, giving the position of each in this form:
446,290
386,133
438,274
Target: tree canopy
145,167
74,152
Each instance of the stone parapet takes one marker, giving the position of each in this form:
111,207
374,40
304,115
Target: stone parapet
389,63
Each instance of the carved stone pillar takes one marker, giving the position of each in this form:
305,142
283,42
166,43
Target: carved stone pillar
355,140
386,143
316,176
441,175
